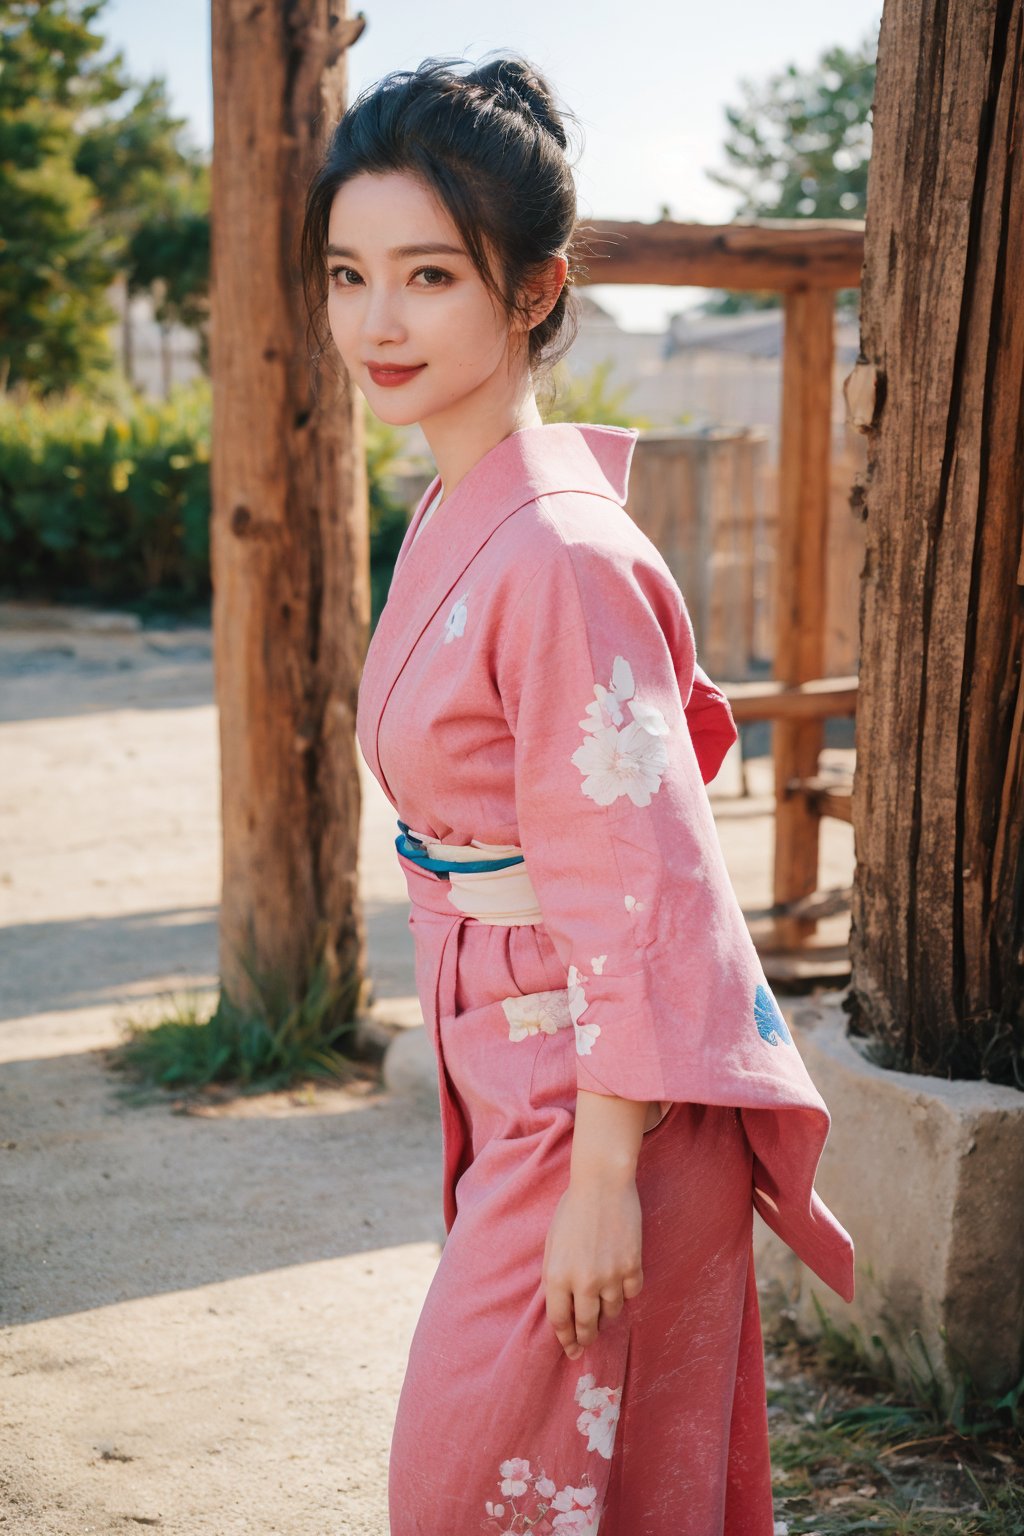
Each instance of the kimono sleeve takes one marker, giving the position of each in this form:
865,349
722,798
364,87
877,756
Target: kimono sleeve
615,733
595,672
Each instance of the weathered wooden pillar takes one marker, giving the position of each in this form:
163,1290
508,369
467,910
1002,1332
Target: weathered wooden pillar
800,586
289,536
937,943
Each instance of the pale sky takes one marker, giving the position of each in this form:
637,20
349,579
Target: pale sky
649,97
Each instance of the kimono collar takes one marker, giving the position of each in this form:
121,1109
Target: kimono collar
535,461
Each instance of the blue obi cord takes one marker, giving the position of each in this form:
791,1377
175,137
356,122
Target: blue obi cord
411,847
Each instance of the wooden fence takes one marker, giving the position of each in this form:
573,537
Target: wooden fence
709,500
807,262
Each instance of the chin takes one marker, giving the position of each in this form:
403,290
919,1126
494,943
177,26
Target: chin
391,412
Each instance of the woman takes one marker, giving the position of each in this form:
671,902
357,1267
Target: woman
619,1090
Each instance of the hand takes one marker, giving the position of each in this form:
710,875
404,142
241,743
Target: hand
591,1262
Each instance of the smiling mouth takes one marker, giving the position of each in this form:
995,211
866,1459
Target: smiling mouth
389,377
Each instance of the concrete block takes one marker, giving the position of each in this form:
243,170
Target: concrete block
410,1068
927,1175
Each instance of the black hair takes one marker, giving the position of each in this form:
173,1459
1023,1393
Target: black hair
492,145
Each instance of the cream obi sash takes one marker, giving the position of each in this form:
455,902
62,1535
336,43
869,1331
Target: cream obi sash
504,895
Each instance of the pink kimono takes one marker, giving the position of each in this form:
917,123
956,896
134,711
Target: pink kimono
532,682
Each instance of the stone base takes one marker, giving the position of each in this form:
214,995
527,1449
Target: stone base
410,1068
927,1176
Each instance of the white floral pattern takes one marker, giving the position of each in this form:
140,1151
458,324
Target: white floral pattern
455,623
608,702
600,1414
579,1511
537,1013
532,1500
515,1476
586,1034
530,1497
630,761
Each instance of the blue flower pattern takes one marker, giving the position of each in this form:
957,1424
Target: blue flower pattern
771,1026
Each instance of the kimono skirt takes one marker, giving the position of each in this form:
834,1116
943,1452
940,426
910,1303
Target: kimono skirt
660,1427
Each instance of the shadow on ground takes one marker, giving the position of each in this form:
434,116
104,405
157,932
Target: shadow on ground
107,1201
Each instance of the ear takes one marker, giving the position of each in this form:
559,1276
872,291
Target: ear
544,287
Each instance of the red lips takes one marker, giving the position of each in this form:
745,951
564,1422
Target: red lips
390,374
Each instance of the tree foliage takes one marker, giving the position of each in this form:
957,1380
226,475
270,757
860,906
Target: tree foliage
155,198
168,254
83,177
798,148
55,264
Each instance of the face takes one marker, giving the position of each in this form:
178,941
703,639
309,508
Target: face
402,291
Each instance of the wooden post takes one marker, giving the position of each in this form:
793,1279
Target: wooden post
800,585
289,538
937,943
747,462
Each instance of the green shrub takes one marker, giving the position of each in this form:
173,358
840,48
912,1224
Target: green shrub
109,499
103,499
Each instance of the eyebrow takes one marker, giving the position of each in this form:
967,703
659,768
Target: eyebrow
401,252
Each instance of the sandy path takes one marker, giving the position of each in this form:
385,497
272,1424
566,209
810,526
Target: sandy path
205,1316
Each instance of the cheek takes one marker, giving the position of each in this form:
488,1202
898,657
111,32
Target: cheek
481,333
340,319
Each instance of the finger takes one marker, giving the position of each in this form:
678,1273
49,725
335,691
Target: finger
612,1303
558,1306
587,1310
633,1284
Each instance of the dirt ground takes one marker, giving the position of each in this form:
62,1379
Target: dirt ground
205,1314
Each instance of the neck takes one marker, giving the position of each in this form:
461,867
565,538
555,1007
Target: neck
460,436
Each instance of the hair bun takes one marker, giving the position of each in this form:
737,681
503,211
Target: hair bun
513,84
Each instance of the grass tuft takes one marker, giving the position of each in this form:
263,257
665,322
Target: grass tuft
853,1449
272,1043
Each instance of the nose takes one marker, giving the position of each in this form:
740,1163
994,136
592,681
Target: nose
382,319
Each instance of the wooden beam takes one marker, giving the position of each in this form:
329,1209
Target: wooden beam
820,904
800,575
821,698
783,254
826,796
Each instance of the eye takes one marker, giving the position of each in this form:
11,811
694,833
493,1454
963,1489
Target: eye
445,277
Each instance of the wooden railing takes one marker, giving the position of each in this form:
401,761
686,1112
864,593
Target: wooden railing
807,261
